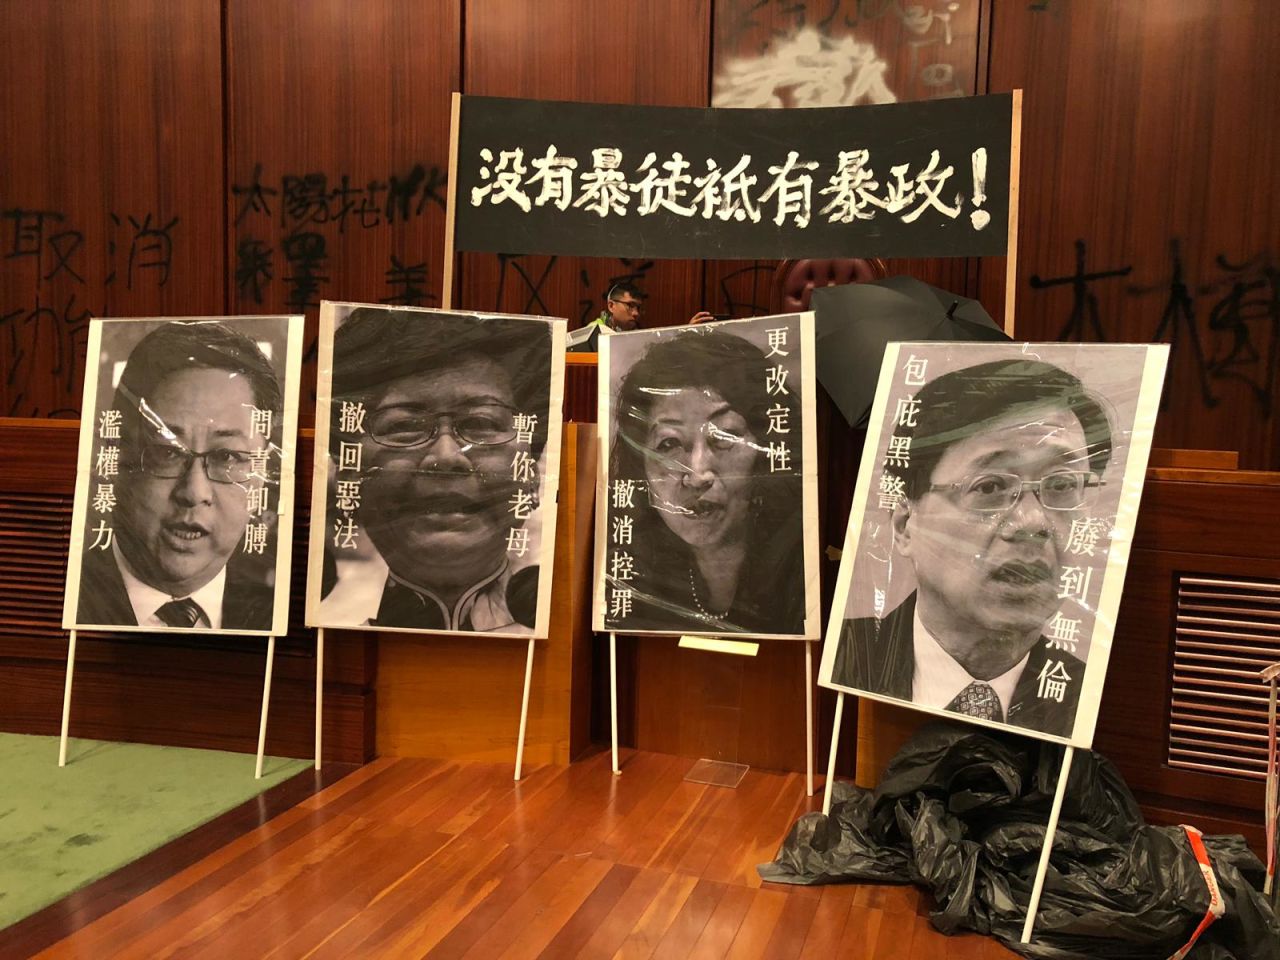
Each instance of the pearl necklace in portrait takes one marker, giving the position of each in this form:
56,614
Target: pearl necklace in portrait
703,612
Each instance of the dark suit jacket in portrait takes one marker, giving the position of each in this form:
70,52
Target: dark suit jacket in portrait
246,604
879,656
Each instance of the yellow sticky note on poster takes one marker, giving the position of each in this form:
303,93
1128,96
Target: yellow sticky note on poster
741,648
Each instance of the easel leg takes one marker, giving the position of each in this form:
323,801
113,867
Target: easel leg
66,699
1049,832
831,759
266,700
319,692
808,716
1271,800
524,709
613,697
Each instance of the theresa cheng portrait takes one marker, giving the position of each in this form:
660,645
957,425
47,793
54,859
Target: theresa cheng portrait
707,481
438,486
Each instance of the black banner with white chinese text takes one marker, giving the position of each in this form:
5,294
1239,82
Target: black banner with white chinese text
928,179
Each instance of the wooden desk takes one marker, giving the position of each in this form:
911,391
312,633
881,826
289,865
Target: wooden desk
459,697
580,380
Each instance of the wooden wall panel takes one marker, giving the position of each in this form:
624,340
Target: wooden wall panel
719,706
1215,524
794,53
110,179
647,52
337,153
1133,722
1151,160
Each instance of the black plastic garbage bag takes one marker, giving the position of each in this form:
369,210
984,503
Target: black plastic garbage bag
963,814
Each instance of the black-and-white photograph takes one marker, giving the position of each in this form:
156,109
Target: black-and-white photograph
990,530
707,502
184,485
437,469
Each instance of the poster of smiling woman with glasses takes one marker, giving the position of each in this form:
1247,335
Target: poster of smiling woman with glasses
437,468
184,488
991,529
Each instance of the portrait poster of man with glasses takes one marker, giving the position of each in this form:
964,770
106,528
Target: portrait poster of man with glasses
435,487
991,528
184,490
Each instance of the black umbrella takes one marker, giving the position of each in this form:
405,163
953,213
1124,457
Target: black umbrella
856,320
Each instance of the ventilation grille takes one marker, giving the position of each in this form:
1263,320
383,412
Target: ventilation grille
1227,631
34,533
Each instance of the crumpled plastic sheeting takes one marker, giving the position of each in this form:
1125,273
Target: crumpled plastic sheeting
963,814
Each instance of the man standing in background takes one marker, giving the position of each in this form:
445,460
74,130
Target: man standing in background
622,307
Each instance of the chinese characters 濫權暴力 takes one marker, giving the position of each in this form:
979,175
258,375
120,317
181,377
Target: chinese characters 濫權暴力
106,469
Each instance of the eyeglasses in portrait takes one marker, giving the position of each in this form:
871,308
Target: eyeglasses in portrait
707,503
991,528
184,488
435,490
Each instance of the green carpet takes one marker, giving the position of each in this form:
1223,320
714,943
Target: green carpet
61,828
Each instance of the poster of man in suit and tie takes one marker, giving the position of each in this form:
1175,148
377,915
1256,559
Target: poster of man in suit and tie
991,529
184,486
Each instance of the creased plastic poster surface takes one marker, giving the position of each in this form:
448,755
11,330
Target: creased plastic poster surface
184,484
437,469
991,528
706,506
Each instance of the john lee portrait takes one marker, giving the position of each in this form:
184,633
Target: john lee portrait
990,530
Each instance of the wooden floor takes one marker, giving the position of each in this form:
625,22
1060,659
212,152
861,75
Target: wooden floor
422,858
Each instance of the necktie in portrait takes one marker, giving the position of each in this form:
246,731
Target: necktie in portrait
978,699
184,613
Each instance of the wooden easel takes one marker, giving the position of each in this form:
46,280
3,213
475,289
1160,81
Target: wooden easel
1271,803
1050,829
262,722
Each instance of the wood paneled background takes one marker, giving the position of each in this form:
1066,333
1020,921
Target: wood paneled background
233,156
240,156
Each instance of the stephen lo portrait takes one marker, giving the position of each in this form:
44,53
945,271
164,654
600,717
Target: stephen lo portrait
191,457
